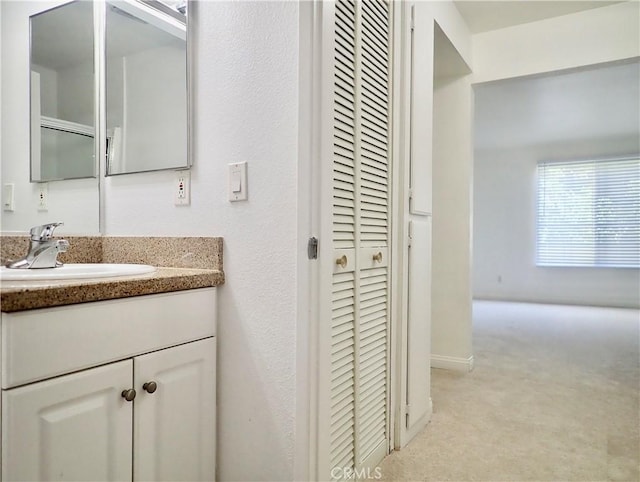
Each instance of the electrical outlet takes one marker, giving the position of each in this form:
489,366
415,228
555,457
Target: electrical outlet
43,197
182,188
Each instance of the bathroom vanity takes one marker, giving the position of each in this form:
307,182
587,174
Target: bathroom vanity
122,388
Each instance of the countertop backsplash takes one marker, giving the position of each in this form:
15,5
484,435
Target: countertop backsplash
172,252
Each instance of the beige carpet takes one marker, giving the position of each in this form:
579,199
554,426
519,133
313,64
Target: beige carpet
554,396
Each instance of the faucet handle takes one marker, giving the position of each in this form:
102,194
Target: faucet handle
62,245
44,232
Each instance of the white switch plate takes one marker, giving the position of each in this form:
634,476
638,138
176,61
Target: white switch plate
43,197
7,197
237,186
182,188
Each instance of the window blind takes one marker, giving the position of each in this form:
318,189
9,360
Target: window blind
589,213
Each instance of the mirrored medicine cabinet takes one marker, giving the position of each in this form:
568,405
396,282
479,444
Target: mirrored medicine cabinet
108,76
62,93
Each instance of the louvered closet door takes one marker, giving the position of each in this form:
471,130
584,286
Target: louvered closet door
360,323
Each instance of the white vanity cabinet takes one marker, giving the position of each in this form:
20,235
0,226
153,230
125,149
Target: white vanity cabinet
174,425
69,410
75,427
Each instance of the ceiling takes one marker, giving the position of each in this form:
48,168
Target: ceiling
482,16
590,104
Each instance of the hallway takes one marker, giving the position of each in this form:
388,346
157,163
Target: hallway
554,396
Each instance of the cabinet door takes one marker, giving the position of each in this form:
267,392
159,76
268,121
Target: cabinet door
174,427
357,427
75,427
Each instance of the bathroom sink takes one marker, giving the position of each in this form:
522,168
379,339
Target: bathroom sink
72,271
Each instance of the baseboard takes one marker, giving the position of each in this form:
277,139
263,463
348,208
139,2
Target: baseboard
633,304
452,363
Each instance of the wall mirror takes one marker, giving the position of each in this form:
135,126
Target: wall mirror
62,89
146,87
47,33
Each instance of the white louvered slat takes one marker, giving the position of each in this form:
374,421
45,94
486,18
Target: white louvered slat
343,350
375,123
344,109
361,206
373,360
342,369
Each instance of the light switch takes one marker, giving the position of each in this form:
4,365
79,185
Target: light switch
238,181
7,197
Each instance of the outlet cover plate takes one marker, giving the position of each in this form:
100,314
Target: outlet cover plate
182,188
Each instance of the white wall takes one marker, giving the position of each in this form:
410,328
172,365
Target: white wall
446,109
76,201
452,205
590,37
246,91
579,115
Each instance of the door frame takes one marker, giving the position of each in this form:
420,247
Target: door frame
310,118
314,177
401,145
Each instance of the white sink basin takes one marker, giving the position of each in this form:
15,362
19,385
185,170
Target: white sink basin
75,271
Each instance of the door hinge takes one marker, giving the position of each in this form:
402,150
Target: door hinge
410,235
312,248
407,411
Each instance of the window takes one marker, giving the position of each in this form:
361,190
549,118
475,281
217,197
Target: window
589,213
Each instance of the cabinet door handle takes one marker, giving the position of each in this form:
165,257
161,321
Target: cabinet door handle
150,387
342,261
129,394
378,257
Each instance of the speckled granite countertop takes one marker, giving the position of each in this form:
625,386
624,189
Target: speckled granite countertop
185,268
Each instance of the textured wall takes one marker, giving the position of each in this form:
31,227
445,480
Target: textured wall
246,109
246,91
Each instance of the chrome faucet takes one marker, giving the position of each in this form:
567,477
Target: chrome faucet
43,251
